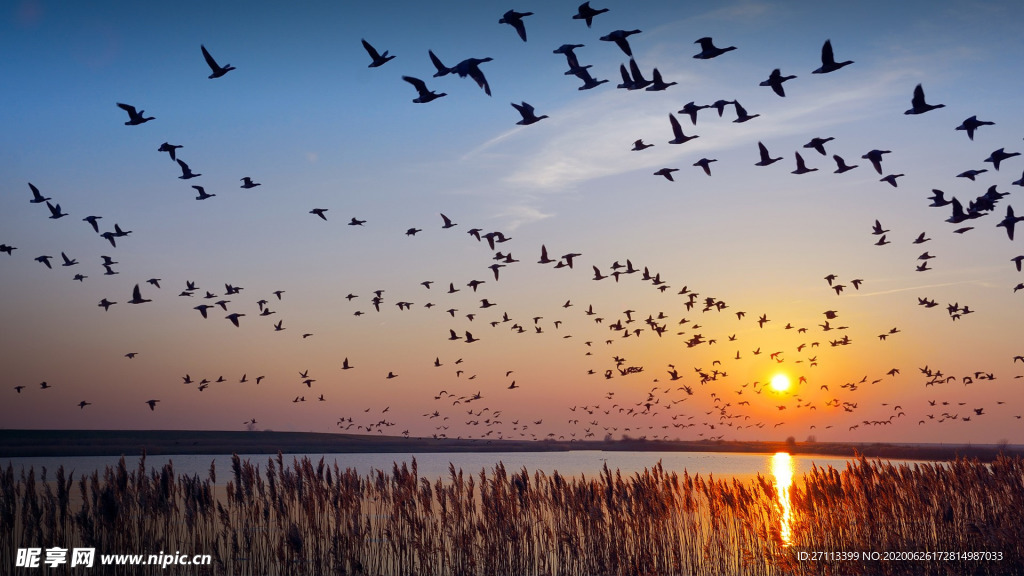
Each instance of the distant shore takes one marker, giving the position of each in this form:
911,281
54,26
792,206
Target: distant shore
57,443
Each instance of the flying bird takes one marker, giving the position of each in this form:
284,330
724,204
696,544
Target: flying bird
378,59
515,19
841,165
667,173
677,132
202,193
999,155
586,13
775,80
55,212
766,158
217,70
828,61
1009,221
425,95
169,148
708,50
471,67
971,124
134,117
248,183
875,156
704,163
918,105
93,221
186,172
137,296
801,168
37,198
320,212
619,37
526,111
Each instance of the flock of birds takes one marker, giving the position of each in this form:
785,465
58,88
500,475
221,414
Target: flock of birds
467,310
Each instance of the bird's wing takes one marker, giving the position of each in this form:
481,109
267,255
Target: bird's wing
371,50
209,59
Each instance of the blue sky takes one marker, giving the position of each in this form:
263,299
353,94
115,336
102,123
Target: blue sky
303,115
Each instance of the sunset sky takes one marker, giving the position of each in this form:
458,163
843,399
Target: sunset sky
303,115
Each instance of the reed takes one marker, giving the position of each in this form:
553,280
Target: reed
305,517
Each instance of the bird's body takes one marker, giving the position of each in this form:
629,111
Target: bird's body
708,49
766,158
137,296
586,13
169,148
828,61
37,198
619,37
134,117
677,132
775,80
918,105
216,71
377,58
425,95
515,20
526,111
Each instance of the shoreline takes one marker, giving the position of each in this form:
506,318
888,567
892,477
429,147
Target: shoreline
69,443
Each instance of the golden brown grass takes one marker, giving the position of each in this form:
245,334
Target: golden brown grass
310,518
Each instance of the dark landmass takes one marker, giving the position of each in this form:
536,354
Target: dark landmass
40,443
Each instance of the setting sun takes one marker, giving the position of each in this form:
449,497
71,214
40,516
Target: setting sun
780,383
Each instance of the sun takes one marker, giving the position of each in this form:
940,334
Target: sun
780,383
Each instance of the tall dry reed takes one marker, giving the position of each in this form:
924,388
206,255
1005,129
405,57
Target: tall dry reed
310,518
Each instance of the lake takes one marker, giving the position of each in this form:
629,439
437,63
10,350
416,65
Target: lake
435,465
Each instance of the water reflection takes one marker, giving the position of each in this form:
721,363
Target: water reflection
782,469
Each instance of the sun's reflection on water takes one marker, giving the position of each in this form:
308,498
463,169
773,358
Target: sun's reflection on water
782,469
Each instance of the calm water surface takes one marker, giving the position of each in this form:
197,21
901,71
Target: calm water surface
435,465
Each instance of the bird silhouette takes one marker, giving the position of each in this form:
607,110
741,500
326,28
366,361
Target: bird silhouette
619,37
247,183
169,148
137,296
515,20
526,111
971,124
708,49
134,117
425,95
828,61
377,58
1009,221
471,67
677,132
841,165
319,212
705,164
186,172
216,70
801,168
203,195
999,155
55,212
875,156
766,158
37,198
918,105
586,13
775,80
667,173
